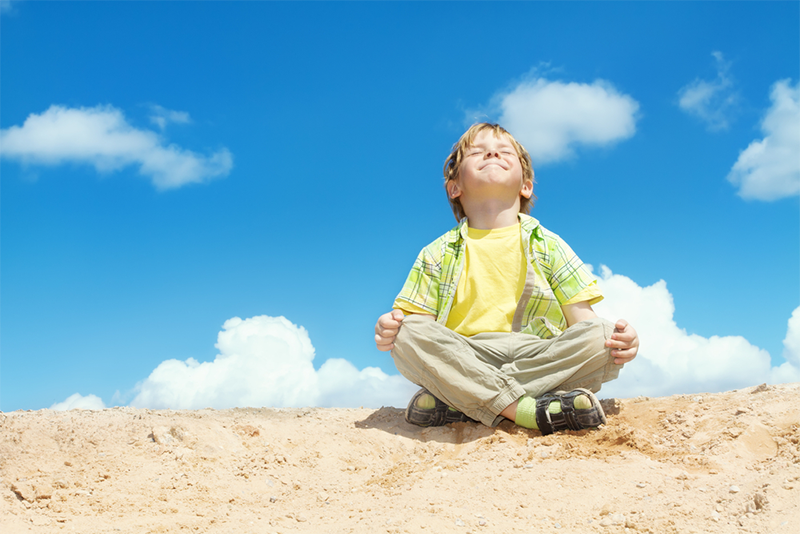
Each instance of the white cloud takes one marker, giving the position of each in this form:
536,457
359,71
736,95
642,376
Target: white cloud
161,116
711,101
102,137
673,361
552,118
769,169
267,361
79,402
791,343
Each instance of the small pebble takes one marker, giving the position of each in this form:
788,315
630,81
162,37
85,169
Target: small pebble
640,485
734,489
460,523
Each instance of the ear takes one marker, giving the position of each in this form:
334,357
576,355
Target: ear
527,189
453,189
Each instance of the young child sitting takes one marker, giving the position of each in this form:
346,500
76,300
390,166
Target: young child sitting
495,318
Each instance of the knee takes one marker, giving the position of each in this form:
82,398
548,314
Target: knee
409,336
411,329
410,346
594,333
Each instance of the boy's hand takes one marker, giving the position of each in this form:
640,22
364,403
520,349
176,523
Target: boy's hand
386,329
624,342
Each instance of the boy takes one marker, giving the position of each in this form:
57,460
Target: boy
495,318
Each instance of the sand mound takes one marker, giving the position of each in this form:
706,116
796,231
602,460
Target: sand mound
726,462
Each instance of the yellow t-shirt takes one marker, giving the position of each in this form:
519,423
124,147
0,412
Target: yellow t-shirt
491,283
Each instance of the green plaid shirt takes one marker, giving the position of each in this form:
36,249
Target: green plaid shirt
557,272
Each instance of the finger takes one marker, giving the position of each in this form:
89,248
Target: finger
616,343
623,356
382,341
388,324
390,329
391,319
394,317
387,334
622,360
385,348
621,325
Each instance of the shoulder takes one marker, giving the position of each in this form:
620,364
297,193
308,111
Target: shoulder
541,237
448,243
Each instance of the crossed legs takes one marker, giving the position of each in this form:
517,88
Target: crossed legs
483,375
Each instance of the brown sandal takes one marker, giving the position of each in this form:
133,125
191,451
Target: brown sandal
570,418
441,414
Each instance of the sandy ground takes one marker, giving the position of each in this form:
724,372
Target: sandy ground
726,462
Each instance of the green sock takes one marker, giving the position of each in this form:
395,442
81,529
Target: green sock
428,402
526,409
526,412
425,402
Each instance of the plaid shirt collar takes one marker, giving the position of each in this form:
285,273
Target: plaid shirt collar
528,225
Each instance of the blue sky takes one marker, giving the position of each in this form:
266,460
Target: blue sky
167,167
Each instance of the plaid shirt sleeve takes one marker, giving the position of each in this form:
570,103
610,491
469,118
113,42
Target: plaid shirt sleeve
566,274
421,289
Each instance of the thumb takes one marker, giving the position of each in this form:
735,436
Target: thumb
397,315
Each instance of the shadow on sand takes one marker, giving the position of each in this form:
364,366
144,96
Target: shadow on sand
392,420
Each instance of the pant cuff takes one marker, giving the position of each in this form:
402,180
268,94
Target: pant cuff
489,415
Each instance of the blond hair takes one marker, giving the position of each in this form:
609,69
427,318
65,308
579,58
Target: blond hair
452,164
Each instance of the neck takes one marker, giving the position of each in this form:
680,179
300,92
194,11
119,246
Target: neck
492,215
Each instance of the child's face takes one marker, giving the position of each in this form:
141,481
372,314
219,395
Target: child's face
490,169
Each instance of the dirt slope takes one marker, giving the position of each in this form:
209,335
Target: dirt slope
718,463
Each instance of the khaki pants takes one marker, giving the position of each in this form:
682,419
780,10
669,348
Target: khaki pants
481,375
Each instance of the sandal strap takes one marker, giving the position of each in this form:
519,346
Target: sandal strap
568,419
543,420
440,414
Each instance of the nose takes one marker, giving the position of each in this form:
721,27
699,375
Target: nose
492,153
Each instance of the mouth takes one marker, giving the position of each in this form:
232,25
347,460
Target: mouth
493,164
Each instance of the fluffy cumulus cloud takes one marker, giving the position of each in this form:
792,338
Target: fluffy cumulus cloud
79,402
102,137
791,344
672,360
712,101
552,118
267,361
769,168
